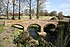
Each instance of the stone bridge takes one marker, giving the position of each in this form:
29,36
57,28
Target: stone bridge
26,23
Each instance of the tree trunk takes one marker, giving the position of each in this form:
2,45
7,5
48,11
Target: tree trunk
7,9
37,9
13,12
19,10
30,10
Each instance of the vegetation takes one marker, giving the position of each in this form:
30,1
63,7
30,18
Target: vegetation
1,45
63,36
33,9
60,15
53,13
25,40
2,28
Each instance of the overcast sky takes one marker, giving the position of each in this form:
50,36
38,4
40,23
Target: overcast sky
58,5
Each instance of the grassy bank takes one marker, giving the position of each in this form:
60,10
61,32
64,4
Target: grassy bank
2,28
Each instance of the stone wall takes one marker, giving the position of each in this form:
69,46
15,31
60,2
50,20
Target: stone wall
26,23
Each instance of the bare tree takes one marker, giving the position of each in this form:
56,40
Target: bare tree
28,4
7,9
18,4
33,12
30,9
13,1
39,6
3,6
19,10
37,9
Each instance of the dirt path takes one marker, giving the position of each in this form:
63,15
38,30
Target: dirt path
6,38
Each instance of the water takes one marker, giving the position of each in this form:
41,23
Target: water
33,33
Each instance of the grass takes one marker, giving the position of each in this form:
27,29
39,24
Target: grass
9,39
23,17
2,28
1,45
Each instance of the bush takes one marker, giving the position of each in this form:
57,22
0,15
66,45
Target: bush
24,40
63,36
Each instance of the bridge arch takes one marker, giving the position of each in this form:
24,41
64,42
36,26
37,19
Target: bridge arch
51,33
35,26
53,18
49,27
19,26
33,29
